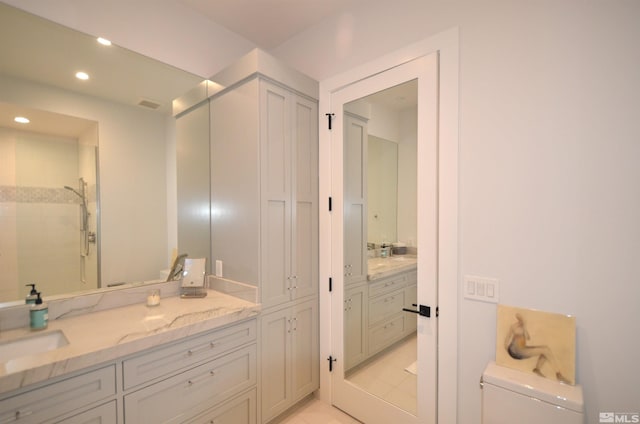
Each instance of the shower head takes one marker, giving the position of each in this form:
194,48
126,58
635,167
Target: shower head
72,189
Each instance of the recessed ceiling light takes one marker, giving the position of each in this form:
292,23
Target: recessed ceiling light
82,75
21,119
104,41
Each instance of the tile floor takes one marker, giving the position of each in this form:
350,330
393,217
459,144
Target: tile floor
314,411
385,377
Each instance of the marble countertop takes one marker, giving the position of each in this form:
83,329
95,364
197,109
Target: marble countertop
107,335
385,267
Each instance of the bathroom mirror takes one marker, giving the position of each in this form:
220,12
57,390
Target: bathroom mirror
380,341
127,105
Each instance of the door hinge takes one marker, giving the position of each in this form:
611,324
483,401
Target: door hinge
330,204
331,360
437,311
330,284
330,118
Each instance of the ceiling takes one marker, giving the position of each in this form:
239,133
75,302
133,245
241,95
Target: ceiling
269,23
41,51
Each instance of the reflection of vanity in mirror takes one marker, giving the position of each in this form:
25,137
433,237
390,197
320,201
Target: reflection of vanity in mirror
102,214
380,133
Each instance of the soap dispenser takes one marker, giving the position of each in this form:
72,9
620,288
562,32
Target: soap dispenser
39,314
33,295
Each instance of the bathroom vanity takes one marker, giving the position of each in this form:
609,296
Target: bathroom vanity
186,360
373,308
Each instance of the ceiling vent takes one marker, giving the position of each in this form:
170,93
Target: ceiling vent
149,104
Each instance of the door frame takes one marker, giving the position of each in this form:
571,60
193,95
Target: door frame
446,45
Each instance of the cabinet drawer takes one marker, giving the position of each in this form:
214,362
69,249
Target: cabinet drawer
387,285
412,277
385,334
383,307
184,354
53,400
104,414
240,410
185,395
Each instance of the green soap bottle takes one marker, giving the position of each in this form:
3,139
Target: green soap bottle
39,314
33,295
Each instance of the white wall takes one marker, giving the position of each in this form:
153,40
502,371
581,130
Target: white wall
408,178
548,168
383,122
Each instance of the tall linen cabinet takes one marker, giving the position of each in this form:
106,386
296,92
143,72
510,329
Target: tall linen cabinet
264,215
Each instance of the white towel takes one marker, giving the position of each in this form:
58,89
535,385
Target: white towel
413,368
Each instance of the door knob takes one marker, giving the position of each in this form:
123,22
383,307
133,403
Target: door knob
423,310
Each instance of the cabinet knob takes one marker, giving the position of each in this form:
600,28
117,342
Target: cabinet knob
195,380
22,414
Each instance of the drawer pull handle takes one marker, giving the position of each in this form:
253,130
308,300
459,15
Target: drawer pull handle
22,414
196,380
211,345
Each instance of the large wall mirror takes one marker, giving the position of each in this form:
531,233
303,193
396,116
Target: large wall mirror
87,186
380,197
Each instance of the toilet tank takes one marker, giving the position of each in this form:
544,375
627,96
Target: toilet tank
511,396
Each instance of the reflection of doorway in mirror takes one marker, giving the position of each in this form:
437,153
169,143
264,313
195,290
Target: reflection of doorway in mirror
41,220
382,190
379,338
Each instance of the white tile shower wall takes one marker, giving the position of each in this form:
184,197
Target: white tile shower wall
8,252
48,247
87,152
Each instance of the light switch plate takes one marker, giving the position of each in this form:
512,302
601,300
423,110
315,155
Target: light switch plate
481,288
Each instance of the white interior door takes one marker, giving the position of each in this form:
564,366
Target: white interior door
346,395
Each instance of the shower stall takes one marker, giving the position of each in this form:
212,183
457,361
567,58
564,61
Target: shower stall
86,235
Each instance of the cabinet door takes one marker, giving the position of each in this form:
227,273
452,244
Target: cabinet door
411,297
305,350
185,395
104,414
185,354
275,153
240,410
355,211
305,191
383,307
290,357
355,336
385,334
275,362
57,399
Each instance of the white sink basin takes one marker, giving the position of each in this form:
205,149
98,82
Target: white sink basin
31,345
